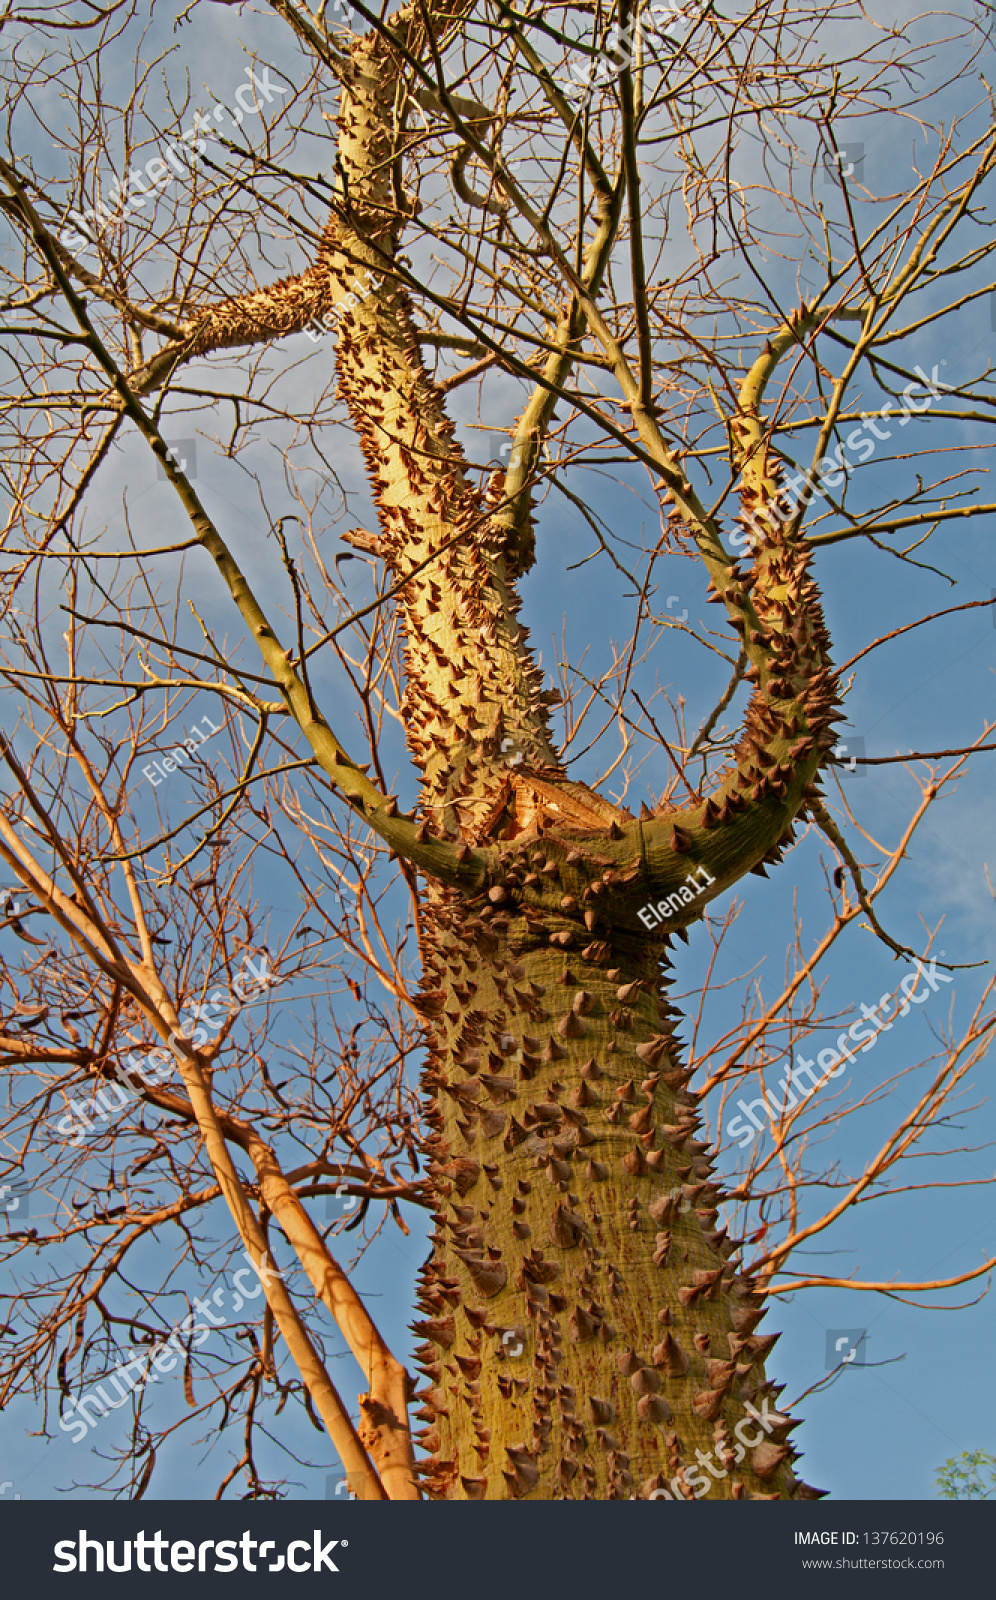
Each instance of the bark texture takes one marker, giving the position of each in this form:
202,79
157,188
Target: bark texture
587,1330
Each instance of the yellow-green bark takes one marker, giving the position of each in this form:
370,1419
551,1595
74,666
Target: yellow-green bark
575,1208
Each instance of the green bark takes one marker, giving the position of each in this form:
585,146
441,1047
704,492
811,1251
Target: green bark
576,1209
586,1327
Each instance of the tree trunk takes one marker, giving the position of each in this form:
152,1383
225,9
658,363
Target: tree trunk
588,1333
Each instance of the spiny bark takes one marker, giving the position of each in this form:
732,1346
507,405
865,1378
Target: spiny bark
587,1329
563,1128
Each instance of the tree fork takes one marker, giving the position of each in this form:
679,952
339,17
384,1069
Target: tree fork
563,1132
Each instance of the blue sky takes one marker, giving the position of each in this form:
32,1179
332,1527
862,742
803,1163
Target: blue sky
883,1427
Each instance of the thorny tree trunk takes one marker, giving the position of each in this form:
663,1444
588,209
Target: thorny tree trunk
587,1330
